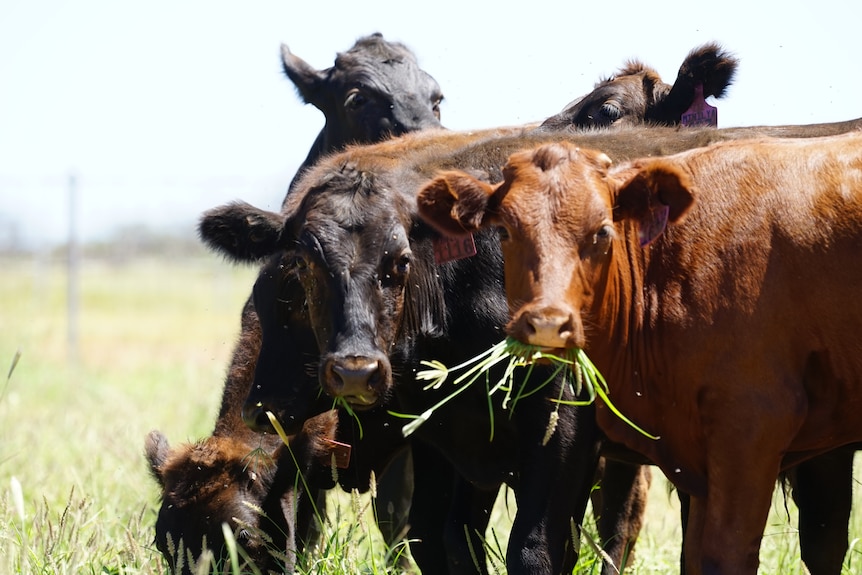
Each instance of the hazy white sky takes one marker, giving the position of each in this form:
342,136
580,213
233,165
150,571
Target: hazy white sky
165,108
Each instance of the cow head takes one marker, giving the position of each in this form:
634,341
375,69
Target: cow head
375,90
227,480
637,94
347,242
564,215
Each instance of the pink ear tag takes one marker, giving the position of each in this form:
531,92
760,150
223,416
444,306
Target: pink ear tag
653,224
700,113
451,248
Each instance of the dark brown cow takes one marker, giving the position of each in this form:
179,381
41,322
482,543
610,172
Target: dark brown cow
636,93
248,483
716,290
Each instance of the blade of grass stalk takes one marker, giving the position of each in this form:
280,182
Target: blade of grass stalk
230,543
342,403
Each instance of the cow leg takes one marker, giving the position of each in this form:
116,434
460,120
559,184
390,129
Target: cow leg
555,485
468,519
728,523
433,485
823,491
619,505
394,494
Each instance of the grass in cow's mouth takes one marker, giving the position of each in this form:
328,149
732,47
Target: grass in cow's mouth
580,373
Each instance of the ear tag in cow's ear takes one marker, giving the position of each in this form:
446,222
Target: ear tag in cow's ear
653,224
340,451
451,248
700,113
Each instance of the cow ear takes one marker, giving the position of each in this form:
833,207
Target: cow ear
653,193
455,202
241,231
306,78
157,450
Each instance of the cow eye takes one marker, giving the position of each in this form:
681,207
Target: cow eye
298,262
611,111
503,233
402,264
603,237
435,106
355,99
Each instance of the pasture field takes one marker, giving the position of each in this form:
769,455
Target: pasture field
154,341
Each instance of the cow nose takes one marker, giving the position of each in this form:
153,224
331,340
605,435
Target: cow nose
356,373
546,328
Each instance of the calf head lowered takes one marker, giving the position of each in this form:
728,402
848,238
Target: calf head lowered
244,484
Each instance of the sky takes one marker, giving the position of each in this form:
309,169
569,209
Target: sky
162,109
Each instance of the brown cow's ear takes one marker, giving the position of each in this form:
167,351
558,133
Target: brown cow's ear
653,193
454,203
157,450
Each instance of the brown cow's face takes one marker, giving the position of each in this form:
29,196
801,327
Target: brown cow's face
561,210
214,482
623,99
637,94
555,248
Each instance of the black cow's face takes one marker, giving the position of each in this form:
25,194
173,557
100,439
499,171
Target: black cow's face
374,91
354,259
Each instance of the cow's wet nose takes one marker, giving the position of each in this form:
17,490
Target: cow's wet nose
356,374
545,328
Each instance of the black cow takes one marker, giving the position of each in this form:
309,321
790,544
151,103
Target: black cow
378,304
375,90
636,93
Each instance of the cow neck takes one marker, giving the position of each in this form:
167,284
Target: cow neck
620,346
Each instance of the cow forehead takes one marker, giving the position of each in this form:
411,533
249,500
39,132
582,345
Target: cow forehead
383,72
556,186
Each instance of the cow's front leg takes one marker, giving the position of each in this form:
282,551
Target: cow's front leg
728,521
553,491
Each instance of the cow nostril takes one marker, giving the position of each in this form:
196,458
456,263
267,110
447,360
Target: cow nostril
356,375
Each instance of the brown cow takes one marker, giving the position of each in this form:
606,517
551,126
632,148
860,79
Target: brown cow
636,93
247,483
729,333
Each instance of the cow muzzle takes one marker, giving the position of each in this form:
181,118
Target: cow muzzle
359,380
548,327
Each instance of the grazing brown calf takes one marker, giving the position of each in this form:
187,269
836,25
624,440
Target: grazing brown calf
250,484
716,290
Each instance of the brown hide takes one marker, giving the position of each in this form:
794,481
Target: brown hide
733,335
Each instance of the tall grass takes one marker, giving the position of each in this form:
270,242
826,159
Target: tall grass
154,343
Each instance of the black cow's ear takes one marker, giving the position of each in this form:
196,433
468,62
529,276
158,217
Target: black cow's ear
306,78
157,450
653,193
242,232
454,202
